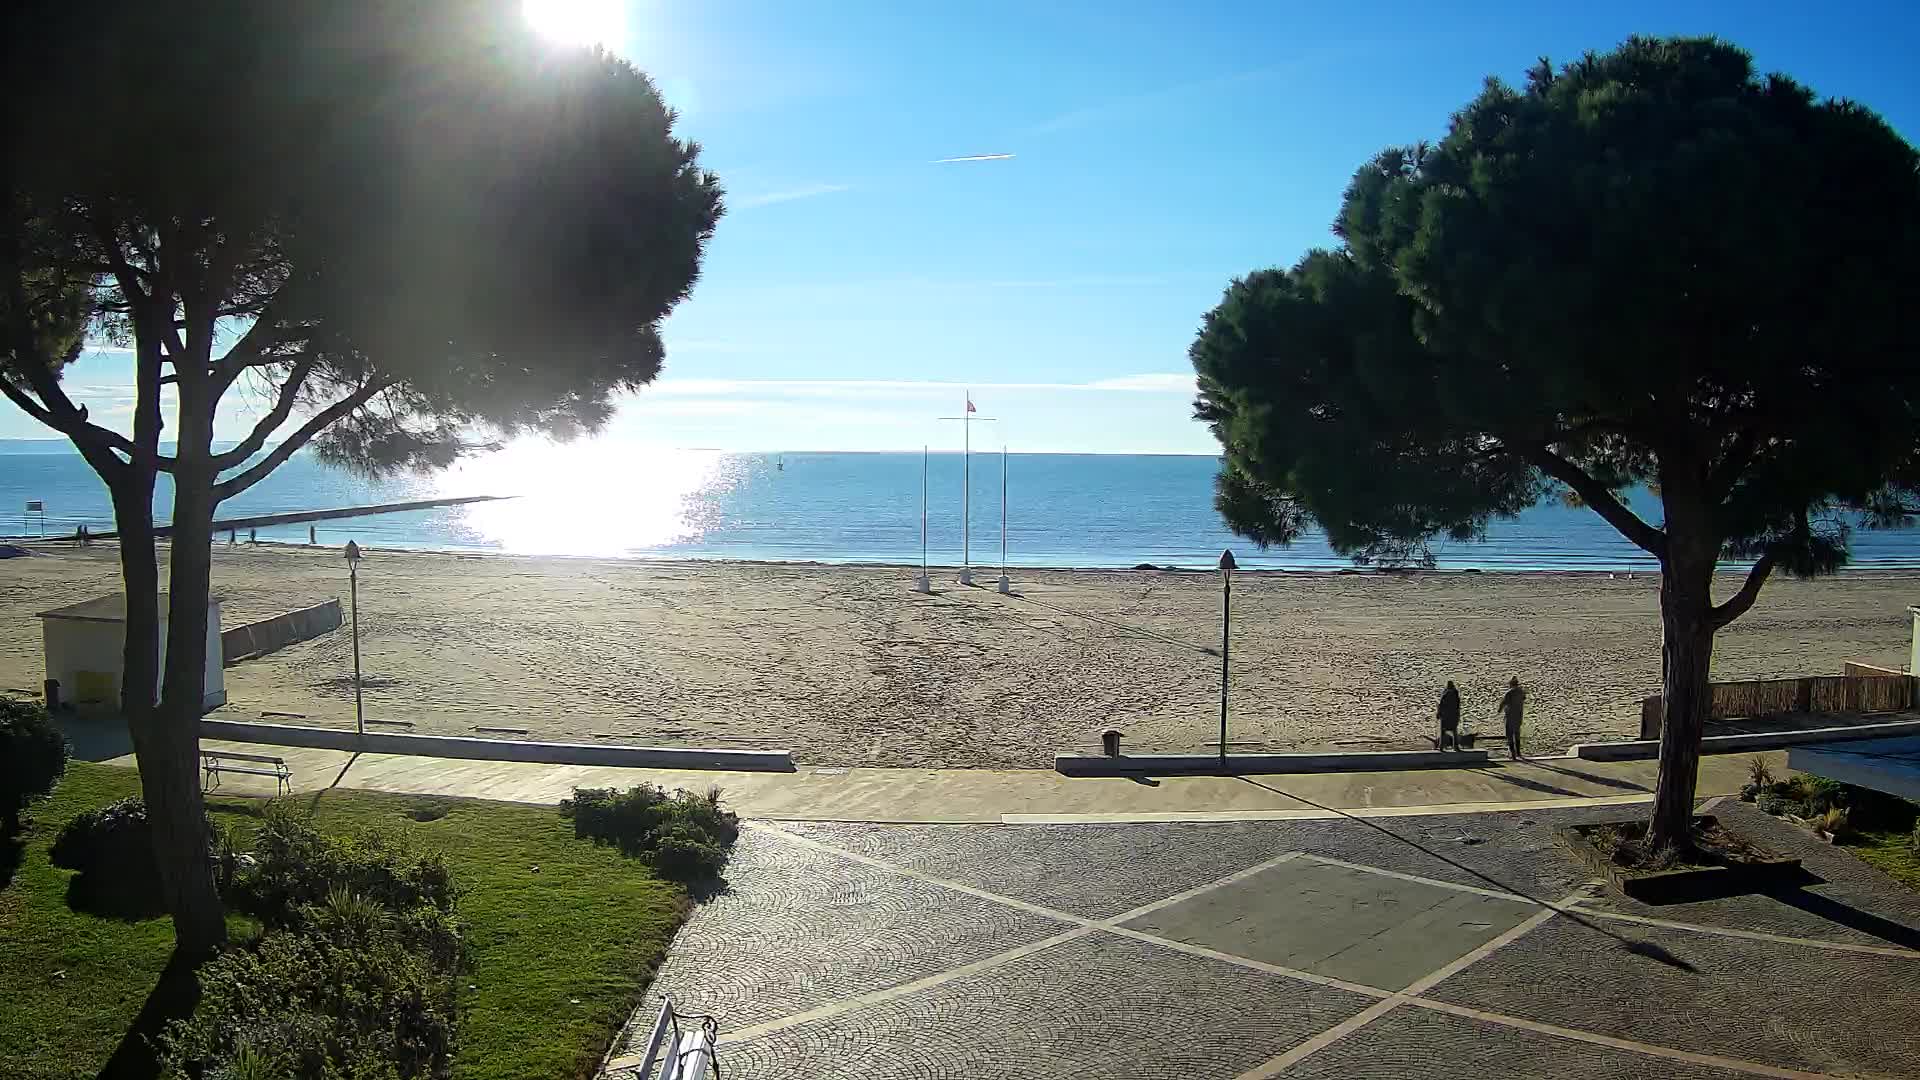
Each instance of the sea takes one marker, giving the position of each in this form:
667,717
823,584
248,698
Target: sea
595,499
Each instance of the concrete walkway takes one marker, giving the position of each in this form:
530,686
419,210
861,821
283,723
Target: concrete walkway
1028,796
1460,947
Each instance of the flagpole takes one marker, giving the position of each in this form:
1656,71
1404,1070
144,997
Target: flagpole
966,492
923,585
1003,586
966,418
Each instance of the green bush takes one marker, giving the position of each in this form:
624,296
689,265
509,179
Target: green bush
683,836
112,848
350,994
296,866
33,755
1817,794
356,977
1773,804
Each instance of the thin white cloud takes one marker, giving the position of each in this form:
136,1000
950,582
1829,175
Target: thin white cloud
811,191
1163,382
970,157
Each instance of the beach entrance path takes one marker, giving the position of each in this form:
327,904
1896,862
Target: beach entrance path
1465,945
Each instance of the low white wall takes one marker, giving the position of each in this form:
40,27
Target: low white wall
1206,764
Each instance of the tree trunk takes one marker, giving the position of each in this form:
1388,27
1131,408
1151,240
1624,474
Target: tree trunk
1686,611
176,807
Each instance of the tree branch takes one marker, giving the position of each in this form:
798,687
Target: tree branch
1721,478
227,489
1738,604
123,271
1596,495
262,431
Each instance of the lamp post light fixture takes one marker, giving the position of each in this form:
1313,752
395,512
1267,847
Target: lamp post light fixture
1227,567
353,578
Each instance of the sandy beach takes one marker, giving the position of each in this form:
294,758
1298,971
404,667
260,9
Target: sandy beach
847,666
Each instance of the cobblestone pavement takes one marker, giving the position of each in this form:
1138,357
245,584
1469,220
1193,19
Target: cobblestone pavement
1445,946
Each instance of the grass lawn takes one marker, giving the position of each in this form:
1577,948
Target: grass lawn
1891,852
564,934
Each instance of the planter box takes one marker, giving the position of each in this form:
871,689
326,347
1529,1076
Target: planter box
1684,883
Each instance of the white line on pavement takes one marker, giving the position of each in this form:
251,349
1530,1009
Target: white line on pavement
1378,1009
1595,1039
1750,935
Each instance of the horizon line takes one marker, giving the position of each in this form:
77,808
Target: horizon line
68,444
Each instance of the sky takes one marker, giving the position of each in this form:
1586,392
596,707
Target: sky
860,284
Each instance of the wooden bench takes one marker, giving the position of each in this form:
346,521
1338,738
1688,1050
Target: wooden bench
215,762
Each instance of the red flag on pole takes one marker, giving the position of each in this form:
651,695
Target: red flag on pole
970,404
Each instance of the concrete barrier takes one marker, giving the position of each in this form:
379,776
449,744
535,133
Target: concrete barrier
1642,749
1209,764
453,746
260,638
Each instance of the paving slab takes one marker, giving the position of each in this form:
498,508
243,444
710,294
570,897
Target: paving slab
1094,871
1783,1005
1338,921
1095,1007
1410,1042
799,928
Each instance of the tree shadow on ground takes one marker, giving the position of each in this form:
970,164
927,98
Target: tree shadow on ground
13,851
172,998
1639,948
107,895
1843,914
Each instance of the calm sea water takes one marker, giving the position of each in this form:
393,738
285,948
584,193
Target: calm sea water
603,500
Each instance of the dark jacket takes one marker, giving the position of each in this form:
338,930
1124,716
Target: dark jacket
1450,707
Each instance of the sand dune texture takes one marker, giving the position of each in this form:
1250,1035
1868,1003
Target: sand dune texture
846,666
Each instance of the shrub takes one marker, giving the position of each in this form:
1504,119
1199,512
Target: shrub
349,995
681,835
33,755
1817,794
112,848
355,978
1831,823
1773,804
296,867
1759,776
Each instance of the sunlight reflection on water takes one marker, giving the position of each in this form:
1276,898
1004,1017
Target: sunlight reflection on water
591,498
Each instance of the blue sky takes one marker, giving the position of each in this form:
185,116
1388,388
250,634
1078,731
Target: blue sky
855,287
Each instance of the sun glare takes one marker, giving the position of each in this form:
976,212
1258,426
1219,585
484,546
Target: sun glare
579,22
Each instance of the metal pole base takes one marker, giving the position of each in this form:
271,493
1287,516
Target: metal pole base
1004,586
966,576
922,585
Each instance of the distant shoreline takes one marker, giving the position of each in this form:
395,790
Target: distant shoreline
982,571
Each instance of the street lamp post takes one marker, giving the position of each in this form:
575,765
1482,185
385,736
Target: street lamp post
1227,566
353,578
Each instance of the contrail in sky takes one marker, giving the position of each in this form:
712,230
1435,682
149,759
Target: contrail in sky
971,157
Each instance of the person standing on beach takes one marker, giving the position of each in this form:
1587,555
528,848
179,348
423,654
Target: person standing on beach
1450,715
1512,704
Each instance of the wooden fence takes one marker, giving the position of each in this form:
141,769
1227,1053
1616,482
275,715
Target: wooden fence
1863,689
